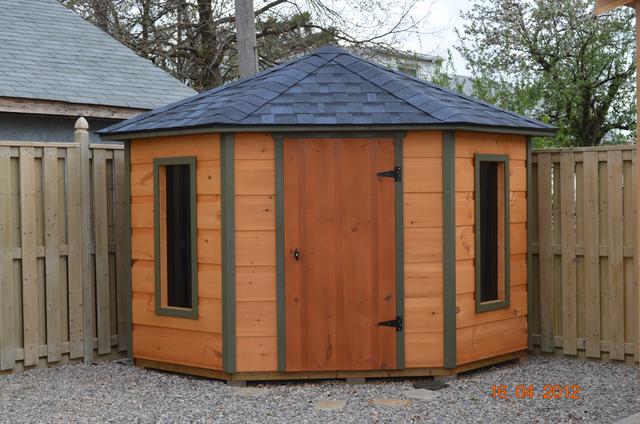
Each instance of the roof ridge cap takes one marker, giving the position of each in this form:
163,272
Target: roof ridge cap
453,92
381,87
200,95
246,114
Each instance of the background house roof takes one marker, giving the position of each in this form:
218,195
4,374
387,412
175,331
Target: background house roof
47,52
329,87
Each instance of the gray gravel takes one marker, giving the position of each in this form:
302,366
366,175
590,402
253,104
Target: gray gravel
116,392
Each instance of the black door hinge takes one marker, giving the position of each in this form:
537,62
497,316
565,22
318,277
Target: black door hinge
396,174
397,323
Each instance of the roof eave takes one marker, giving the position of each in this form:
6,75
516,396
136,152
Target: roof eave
59,108
532,132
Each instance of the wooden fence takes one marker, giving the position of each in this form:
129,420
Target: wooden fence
63,271
582,244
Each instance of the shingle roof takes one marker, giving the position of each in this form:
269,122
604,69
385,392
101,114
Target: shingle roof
48,52
330,87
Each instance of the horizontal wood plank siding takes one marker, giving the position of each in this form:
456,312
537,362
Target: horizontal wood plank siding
165,338
423,272
492,333
255,213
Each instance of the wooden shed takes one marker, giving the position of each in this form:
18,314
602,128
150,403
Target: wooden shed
328,218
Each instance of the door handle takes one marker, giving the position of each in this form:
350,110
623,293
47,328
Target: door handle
296,255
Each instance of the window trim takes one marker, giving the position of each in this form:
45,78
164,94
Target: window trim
495,304
191,313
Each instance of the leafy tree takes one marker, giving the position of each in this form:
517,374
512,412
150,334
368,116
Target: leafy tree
194,40
444,74
557,61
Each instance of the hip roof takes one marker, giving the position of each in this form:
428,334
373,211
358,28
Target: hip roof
329,87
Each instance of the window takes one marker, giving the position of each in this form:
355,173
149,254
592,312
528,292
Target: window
175,237
412,71
492,232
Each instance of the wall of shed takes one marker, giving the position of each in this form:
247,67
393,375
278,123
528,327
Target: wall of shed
256,322
493,333
423,238
256,317
199,343
23,127
162,338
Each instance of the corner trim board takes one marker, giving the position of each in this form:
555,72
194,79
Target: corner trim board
449,246
227,198
280,289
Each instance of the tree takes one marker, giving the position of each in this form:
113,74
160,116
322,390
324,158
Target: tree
194,40
444,74
555,60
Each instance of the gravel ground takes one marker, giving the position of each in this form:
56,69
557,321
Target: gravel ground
119,392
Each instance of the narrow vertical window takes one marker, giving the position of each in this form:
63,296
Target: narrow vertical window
175,237
492,232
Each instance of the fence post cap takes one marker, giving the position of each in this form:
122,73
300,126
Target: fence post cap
82,124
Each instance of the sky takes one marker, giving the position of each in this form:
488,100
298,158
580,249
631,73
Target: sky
445,16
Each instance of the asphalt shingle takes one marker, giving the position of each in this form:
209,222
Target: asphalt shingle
47,52
328,87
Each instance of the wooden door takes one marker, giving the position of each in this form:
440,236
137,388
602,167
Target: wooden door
339,223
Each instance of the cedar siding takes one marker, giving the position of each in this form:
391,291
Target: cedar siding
487,334
163,338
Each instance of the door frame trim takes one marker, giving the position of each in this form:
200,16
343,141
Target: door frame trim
398,139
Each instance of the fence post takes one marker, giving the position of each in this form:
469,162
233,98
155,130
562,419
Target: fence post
82,138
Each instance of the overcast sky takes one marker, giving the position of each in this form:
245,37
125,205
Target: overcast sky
445,16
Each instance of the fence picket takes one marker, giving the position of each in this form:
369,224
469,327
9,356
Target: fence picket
74,254
28,252
615,254
101,251
569,287
7,308
52,255
591,255
545,252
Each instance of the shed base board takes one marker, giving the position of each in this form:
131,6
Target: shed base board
325,375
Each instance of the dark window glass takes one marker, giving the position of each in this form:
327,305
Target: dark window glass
489,224
178,228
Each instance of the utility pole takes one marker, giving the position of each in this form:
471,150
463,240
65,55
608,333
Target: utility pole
246,37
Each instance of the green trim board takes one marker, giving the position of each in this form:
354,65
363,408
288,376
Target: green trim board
280,292
398,138
449,246
127,248
399,210
504,303
228,222
191,313
340,134
284,129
